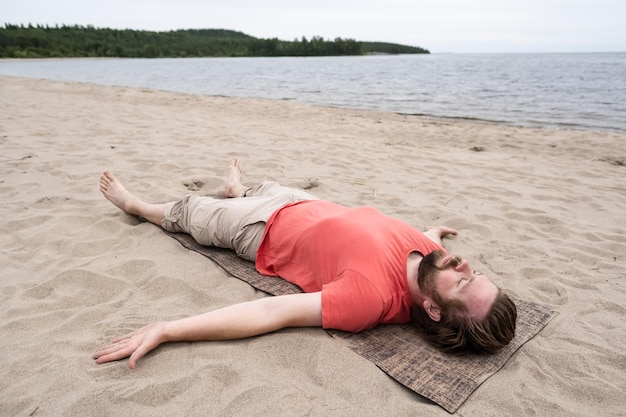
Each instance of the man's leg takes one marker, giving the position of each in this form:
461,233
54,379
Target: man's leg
212,222
234,223
117,194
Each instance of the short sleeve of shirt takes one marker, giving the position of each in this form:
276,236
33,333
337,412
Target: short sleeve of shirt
351,303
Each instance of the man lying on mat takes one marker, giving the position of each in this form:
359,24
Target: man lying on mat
358,268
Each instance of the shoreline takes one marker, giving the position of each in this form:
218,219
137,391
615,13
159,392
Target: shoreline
539,211
475,101
467,119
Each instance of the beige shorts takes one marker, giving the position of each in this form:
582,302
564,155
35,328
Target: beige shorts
232,223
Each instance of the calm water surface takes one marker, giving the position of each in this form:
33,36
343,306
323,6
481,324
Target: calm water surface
578,91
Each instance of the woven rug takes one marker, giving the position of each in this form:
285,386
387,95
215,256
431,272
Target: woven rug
398,350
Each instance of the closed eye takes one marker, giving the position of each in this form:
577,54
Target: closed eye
469,280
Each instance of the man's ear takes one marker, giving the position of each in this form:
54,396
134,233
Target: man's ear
432,309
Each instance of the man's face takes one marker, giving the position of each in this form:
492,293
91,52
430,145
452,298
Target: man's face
453,278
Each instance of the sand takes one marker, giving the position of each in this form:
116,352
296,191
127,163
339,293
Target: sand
543,212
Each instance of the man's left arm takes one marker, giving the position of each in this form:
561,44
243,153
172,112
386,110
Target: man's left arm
436,233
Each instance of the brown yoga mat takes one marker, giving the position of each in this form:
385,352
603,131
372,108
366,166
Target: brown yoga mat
398,350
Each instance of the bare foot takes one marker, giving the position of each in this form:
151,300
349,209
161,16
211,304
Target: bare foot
233,187
117,194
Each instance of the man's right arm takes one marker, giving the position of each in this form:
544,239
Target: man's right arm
238,321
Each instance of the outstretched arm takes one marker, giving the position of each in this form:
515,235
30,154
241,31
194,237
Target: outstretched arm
435,233
238,321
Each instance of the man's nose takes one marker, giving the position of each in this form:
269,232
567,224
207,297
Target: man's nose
463,265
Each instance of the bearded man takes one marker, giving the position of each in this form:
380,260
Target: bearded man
357,267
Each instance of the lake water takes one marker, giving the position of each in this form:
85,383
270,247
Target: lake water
571,91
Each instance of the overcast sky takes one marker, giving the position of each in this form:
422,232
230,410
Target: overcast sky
438,25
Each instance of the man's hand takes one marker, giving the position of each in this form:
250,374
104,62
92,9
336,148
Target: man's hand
435,233
135,344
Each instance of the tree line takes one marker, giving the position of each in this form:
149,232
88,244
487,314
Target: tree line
87,41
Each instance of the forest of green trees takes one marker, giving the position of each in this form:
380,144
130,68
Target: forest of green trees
87,41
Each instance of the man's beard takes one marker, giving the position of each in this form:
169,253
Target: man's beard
427,274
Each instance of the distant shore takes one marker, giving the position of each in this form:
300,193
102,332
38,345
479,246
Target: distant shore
42,41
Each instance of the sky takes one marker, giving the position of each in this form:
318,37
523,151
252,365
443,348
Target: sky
441,26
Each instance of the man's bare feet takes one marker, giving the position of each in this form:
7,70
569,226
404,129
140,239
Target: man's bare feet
233,187
117,194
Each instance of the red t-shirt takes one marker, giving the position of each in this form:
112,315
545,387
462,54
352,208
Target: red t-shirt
355,256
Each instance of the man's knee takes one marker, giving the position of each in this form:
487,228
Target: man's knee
176,215
248,240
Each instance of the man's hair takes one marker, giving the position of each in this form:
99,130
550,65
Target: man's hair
456,332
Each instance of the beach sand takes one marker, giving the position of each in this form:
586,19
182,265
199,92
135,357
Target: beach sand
542,212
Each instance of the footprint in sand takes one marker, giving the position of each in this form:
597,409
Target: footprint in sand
308,184
194,185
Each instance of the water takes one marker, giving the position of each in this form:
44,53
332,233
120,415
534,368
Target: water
575,91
